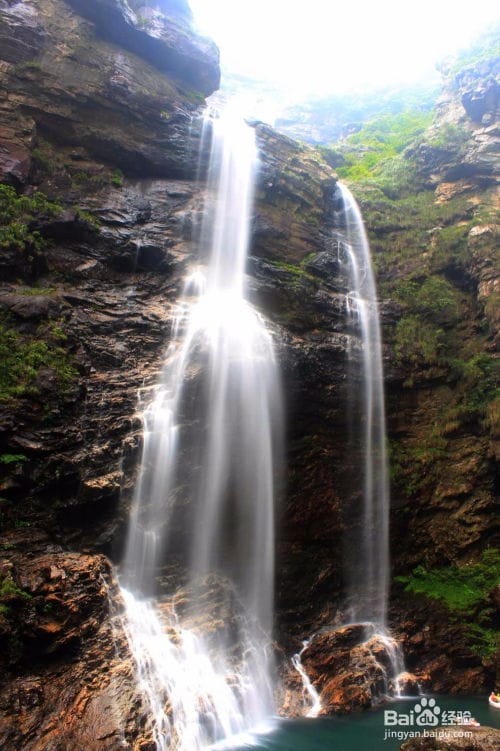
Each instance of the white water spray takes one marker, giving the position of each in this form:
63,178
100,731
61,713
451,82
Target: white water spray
209,458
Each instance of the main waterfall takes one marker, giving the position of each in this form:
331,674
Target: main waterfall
211,436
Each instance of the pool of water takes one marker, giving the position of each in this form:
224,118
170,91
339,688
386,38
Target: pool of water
367,731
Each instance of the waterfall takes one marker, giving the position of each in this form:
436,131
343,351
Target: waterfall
204,499
369,582
368,542
311,696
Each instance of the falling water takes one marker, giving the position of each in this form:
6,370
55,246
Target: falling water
211,430
369,587
313,699
369,543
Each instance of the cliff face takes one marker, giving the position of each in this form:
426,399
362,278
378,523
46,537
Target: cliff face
434,246
98,158
96,139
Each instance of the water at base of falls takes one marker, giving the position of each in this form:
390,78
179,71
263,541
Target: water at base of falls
204,498
193,699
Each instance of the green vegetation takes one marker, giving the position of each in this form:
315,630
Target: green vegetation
42,162
22,357
36,291
487,47
17,214
458,587
9,591
13,458
464,590
432,298
431,305
28,65
374,153
418,343
414,467
117,178
297,270
449,136
90,220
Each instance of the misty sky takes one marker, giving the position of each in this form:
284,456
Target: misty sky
323,46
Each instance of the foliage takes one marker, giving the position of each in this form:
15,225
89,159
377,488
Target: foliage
450,246
17,214
459,587
413,467
433,298
117,178
10,591
12,458
297,271
487,47
374,152
37,291
418,343
22,357
90,220
480,377
8,587
464,590
449,136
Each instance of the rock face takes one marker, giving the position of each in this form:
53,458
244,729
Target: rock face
67,677
124,105
477,739
350,668
440,353
91,275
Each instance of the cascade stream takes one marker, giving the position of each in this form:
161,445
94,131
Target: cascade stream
367,551
212,431
211,435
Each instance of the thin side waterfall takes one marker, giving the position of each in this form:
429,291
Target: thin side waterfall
204,498
368,544
312,699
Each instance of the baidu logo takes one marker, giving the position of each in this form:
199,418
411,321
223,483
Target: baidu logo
427,712
422,720
424,714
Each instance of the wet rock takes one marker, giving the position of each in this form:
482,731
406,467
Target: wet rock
474,739
29,306
164,38
76,684
90,95
349,669
22,35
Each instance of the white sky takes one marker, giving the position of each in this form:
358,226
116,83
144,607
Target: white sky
324,46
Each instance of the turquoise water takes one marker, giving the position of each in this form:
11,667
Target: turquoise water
364,732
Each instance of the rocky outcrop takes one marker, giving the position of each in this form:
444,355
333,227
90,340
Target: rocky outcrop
67,676
462,739
351,668
159,34
102,101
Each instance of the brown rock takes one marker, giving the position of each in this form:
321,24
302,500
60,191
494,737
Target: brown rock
476,739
